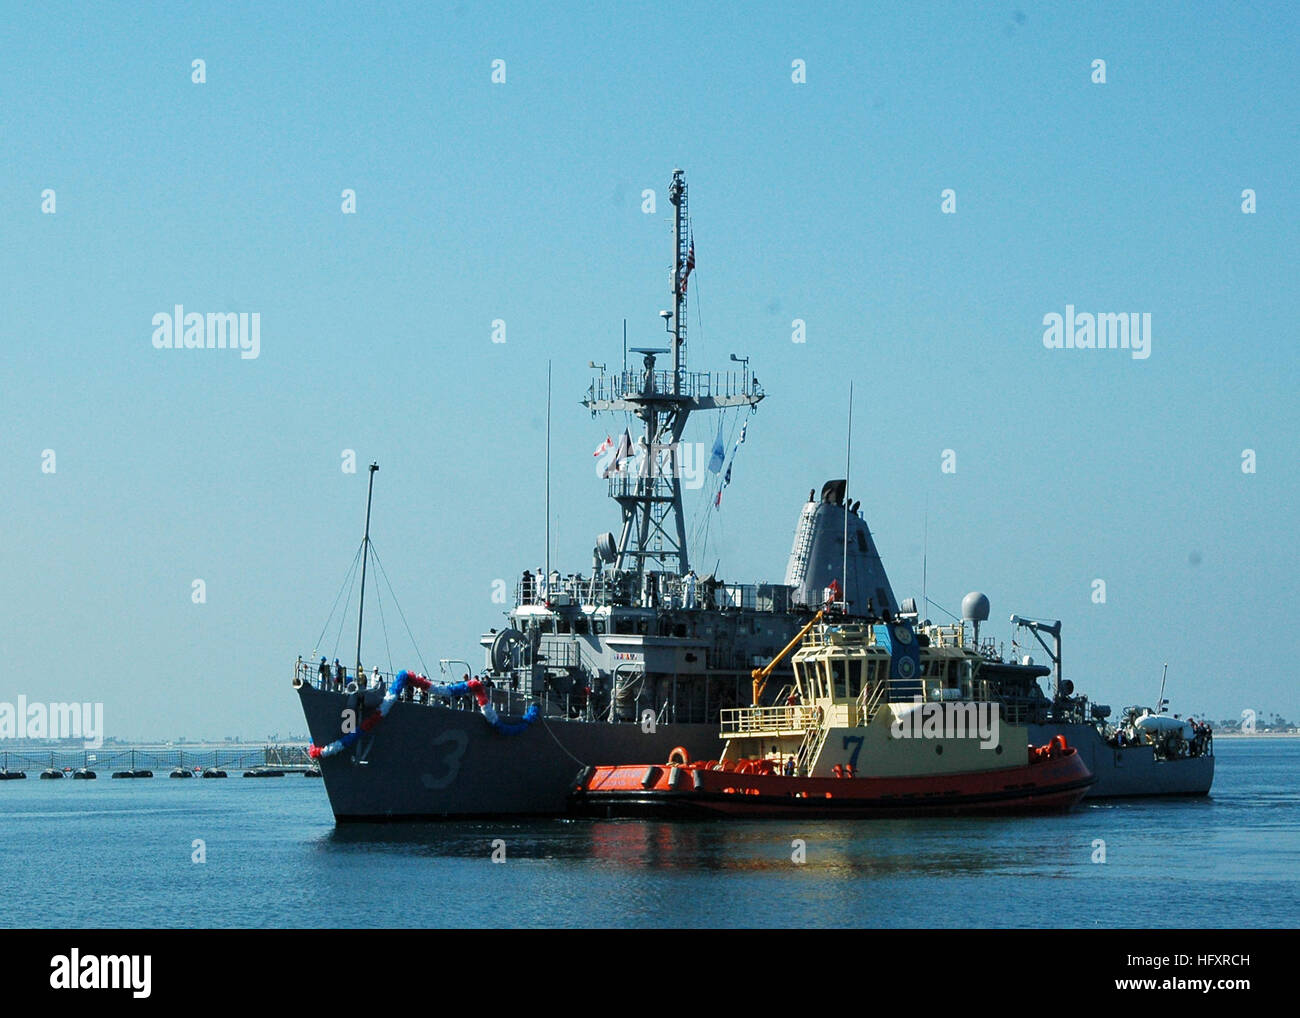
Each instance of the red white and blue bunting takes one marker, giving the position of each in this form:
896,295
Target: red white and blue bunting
476,687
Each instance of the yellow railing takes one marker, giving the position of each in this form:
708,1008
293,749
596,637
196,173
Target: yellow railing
868,705
747,720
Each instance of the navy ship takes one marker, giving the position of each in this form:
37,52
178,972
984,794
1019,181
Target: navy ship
643,655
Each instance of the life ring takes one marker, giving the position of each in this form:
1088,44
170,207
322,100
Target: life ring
745,767
678,755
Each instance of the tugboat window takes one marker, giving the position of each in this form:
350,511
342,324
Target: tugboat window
837,678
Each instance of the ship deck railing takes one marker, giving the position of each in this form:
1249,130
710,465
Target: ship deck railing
634,384
665,590
794,719
510,702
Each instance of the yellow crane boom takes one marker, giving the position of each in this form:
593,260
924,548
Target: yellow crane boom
761,675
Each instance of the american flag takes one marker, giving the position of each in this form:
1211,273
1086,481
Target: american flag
690,264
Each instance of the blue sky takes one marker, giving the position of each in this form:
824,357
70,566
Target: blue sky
521,201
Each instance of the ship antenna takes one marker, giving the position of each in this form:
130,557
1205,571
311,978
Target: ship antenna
548,476
848,456
365,554
681,253
1160,703
925,558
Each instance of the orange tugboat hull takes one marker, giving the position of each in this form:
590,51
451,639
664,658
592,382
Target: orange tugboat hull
1046,785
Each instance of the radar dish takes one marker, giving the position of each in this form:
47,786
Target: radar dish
606,548
975,607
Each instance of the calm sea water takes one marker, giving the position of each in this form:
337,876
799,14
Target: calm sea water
120,853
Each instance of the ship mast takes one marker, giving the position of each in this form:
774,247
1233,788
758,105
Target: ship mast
650,495
365,554
677,195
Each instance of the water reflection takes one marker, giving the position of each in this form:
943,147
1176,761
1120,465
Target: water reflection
834,848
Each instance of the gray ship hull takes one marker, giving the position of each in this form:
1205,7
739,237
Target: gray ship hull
429,762
1133,770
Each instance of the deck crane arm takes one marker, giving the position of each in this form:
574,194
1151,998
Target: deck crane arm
761,675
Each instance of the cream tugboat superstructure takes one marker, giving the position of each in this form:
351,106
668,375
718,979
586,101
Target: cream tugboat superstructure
643,655
858,733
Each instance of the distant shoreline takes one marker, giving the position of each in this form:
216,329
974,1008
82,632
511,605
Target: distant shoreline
1257,735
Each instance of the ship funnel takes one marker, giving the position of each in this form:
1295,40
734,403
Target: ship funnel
818,557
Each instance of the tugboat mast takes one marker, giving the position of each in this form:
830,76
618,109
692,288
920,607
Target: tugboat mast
654,525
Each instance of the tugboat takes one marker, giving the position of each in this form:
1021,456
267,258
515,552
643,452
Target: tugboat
856,735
